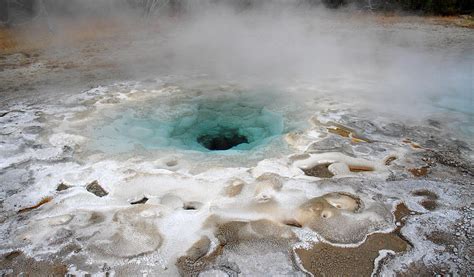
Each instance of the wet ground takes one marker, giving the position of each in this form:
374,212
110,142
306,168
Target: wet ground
401,189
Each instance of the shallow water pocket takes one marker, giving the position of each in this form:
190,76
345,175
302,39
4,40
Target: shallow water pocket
200,124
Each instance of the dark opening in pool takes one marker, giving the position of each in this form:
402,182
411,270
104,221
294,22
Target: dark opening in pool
222,140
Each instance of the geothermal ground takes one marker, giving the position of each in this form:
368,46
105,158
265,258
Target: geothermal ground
115,160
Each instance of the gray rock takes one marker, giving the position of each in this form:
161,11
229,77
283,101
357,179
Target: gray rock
96,189
62,186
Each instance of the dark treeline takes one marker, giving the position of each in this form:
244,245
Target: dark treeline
12,11
436,7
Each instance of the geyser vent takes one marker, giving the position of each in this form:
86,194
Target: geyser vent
200,124
222,139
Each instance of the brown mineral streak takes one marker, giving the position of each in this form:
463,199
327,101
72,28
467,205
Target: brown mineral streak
43,201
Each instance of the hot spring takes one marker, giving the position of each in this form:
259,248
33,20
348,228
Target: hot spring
278,139
212,123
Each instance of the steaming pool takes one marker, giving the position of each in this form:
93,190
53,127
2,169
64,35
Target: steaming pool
330,171
196,124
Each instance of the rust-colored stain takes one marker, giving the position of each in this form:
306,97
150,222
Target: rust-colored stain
357,140
339,131
389,160
388,18
413,144
7,40
360,168
429,202
416,145
32,37
419,171
43,201
347,133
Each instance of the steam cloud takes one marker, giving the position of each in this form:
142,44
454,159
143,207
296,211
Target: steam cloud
274,43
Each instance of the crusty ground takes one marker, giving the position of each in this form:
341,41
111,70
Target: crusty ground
324,259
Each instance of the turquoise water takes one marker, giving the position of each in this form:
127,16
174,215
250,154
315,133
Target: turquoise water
187,123
457,96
